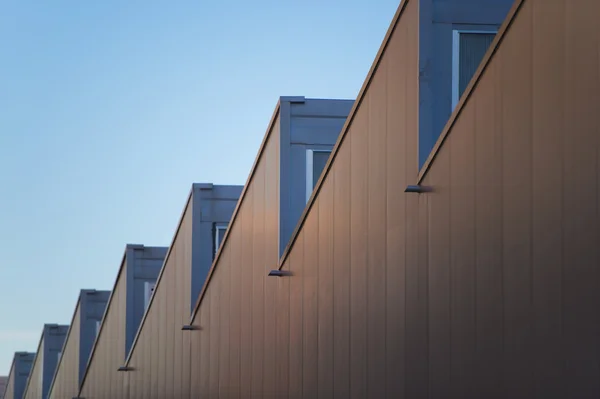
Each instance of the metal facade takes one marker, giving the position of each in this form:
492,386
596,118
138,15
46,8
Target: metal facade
46,359
120,322
305,124
89,311
160,340
483,283
19,372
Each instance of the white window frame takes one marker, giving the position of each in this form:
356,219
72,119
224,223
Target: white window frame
309,171
148,292
217,229
456,58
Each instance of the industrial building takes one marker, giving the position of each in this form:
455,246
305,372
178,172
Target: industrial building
436,237
126,305
48,354
80,338
17,377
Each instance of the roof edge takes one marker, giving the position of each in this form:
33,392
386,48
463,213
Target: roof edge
77,304
510,17
108,303
162,268
345,128
37,353
239,204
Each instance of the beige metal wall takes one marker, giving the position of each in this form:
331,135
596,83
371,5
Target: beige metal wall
350,314
102,380
9,392
234,353
161,355
513,257
485,287
66,380
33,387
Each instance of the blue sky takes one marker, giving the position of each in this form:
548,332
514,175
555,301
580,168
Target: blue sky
110,110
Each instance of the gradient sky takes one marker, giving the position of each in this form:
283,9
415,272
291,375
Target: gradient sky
110,110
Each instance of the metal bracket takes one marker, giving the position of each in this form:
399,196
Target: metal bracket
189,327
279,273
414,189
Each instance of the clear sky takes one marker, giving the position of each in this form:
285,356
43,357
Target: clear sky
110,110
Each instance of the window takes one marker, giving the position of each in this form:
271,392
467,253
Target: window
98,327
315,163
468,49
220,230
148,290
58,357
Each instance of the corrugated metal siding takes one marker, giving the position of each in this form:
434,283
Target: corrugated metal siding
161,357
234,355
485,287
33,389
513,226
354,321
9,392
66,381
102,378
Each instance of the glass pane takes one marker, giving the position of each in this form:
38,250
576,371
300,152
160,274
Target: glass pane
319,161
473,47
221,234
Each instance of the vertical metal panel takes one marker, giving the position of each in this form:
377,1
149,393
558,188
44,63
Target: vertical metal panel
488,225
185,269
163,294
415,302
258,267
281,307
33,389
236,265
195,370
516,97
439,271
325,289
169,317
66,380
9,389
296,264
177,259
580,290
310,326
244,231
399,87
271,259
223,279
358,243
341,274
462,257
215,335
206,370
377,230
548,43
150,346
102,378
